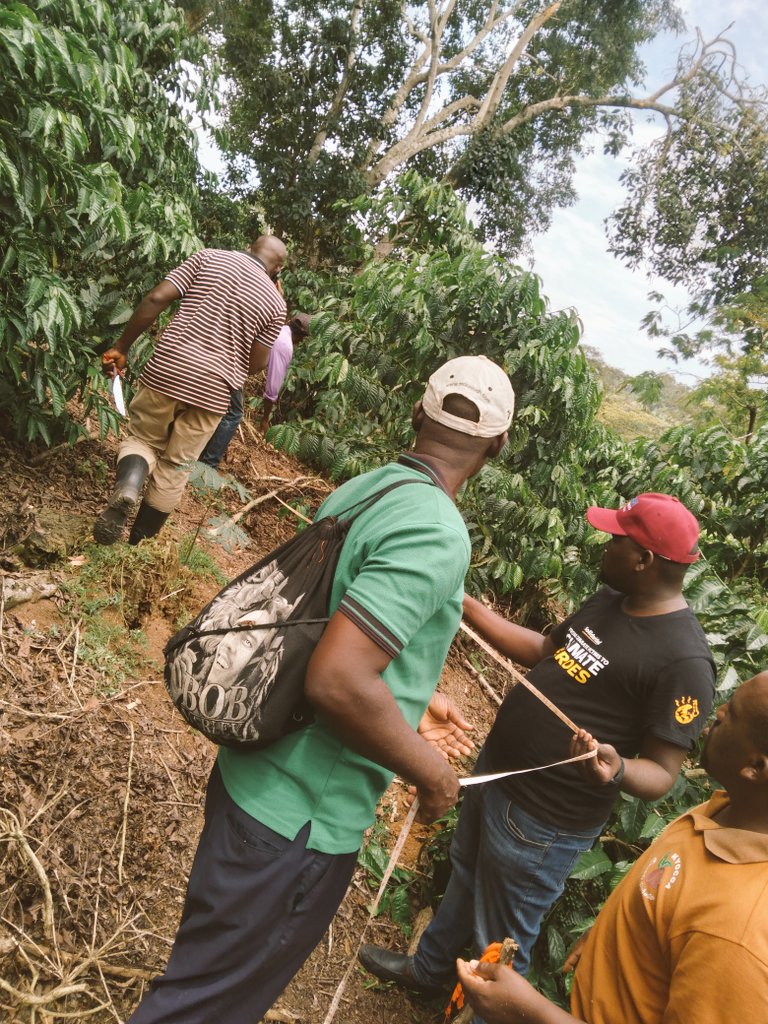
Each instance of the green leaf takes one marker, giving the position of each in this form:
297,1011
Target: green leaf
41,121
7,169
36,289
121,313
58,396
652,826
224,531
729,681
555,946
14,48
591,864
632,815
755,639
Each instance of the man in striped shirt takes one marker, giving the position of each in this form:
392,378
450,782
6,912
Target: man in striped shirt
227,322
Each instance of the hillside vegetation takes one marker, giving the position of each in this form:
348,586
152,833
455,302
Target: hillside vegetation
101,193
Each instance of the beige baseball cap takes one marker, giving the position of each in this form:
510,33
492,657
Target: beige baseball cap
481,381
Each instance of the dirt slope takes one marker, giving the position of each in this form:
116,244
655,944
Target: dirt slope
101,792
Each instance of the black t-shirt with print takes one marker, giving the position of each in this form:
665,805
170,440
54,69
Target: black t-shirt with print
618,676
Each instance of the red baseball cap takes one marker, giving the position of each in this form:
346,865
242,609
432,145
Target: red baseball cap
657,522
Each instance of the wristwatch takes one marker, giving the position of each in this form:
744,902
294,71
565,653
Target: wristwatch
616,780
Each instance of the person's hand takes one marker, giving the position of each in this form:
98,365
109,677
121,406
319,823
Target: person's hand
436,799
445,727
498,994
574,954
597,770
113,362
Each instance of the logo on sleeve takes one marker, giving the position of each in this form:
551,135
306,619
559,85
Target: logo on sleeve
686,709
657,876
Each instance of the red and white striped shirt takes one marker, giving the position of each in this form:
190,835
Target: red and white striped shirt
228,304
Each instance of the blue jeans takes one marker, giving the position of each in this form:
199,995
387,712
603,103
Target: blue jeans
216,448
508,870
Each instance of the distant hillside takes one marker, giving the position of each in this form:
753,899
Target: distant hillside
625,414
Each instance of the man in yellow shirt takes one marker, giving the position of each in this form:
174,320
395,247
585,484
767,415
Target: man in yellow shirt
684,937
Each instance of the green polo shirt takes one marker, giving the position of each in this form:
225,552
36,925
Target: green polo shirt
400,579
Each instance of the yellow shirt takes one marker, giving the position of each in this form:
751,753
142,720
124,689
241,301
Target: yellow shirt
684,937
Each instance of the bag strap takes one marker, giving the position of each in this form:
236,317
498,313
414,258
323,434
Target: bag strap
196,633
366,503
360,506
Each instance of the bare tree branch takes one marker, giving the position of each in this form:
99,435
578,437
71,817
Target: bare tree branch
464,103
491,23
716,58
495,93
338,100
436,26
415,141
418,74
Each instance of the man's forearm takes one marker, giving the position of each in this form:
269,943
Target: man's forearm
259,358
344,684
646,779
145,314
143,317
369,721
525,646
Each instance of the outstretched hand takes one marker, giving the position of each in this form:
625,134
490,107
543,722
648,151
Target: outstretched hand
598,770
445,727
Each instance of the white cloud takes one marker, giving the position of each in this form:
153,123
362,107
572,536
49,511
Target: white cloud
208,153
572,257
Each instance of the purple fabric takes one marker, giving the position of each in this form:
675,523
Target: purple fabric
279,360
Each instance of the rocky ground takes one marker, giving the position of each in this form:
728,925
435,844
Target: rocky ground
102,783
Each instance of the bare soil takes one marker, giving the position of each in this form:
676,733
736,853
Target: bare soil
102,784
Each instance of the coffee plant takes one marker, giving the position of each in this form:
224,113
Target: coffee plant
419,297
97,171
98,198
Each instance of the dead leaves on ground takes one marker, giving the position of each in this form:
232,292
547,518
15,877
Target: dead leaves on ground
91,848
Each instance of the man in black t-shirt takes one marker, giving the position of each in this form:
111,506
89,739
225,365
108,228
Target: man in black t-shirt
631,667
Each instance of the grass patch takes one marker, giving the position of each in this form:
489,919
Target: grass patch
118,654
200,562
118,588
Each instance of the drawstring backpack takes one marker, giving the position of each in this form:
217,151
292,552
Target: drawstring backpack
236,671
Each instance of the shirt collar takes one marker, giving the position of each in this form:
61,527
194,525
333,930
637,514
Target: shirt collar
413,461
733,845
256,260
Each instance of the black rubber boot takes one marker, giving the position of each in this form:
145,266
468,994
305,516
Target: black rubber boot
148,522
131,474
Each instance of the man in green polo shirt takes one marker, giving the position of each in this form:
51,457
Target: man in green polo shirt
283,825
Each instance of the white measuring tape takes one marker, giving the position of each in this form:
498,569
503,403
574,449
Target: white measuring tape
469,780
474,780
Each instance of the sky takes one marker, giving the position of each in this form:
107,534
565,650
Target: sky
572,257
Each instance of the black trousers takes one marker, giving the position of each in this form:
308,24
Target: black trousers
257,904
